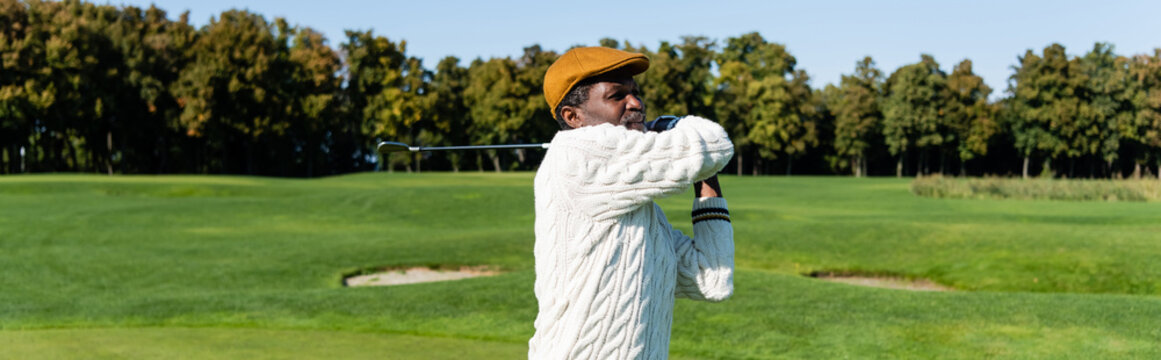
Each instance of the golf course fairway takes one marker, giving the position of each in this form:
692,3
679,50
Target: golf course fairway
228,267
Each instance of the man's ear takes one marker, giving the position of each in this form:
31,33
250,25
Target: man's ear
572,116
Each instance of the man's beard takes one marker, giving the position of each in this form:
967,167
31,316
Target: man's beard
635,116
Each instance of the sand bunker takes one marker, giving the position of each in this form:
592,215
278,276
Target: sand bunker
416,275
886,282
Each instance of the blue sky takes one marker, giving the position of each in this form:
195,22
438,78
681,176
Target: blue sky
827,37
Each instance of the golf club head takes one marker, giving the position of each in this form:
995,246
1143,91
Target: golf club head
391,146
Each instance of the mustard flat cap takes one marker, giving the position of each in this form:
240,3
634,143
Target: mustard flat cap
583,63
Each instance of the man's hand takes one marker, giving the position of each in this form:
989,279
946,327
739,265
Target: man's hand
707,188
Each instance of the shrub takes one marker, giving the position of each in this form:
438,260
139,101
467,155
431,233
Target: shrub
1027,189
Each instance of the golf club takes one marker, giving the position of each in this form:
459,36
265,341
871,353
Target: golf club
391,146
661,123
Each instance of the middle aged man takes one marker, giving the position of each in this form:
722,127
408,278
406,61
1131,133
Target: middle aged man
608,263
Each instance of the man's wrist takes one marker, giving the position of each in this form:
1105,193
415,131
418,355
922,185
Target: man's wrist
707,188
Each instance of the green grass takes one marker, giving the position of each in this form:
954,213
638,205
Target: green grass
160,267
213,343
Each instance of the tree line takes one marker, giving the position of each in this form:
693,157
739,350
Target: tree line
100,88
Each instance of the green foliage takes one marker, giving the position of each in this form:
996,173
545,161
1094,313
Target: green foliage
762,100
231,87
970,118
1143,131
1046,99
913,109
314,108
857,116
505,98
609,43
449,112
1106,109
89,87
23,93
490,96
531,67
679,80
385,86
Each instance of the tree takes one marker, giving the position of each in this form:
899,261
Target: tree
411,105
494,106
1045,104
450,117
90,83
970,118
760,99
102,88
231,91
537,125
152,56
807,111
609,43
84,71
1105,108
857,117
913,111
376,67
505,98
1143,131
23,93
314,106
679,80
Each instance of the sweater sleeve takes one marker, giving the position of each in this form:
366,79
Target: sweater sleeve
612,171
705,263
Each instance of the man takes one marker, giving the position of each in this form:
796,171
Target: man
608,263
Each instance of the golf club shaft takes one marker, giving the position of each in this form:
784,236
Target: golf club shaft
390,146
480,147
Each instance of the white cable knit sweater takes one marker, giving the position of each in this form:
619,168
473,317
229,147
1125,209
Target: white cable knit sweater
608,263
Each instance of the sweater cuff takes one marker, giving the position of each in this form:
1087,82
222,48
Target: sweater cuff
710,209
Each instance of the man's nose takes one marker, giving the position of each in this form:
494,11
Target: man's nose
635,102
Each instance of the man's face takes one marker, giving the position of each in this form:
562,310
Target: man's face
613,100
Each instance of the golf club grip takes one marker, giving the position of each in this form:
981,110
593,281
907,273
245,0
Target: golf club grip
662,123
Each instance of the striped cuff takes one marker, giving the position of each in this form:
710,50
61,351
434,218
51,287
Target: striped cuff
705,209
